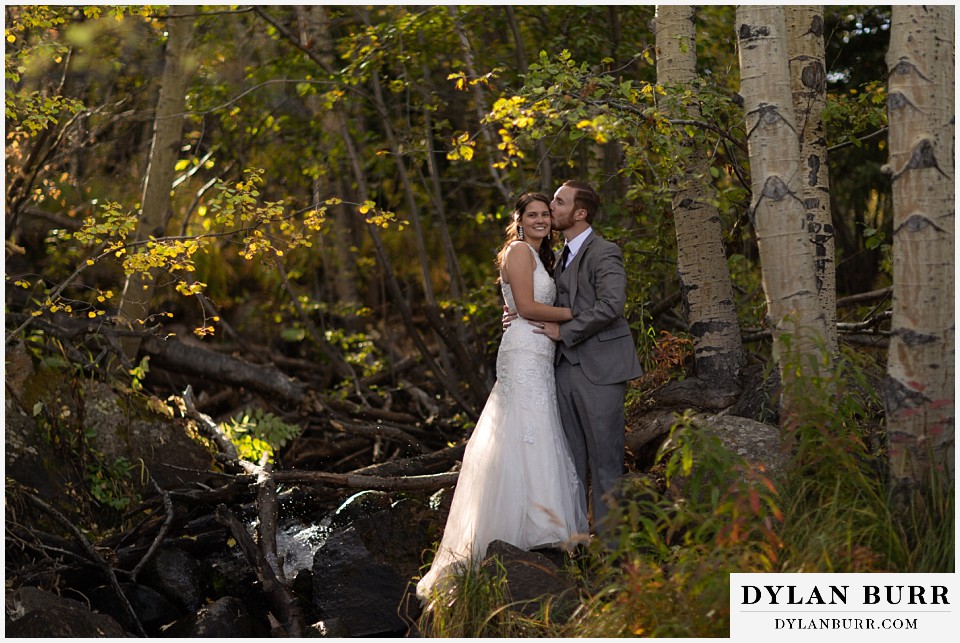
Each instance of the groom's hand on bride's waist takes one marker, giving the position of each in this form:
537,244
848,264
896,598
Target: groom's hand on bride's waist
550,329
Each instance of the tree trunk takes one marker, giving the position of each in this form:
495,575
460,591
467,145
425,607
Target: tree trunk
808,77
505,191
544,167
339,260
777,208
413,210
396,293
701,260
165,146
919,387
457,285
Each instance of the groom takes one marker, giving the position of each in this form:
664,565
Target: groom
595,356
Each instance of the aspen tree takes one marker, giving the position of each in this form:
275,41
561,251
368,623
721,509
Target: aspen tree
919,387
701,260
777,209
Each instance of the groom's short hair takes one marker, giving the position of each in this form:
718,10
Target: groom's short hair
585,198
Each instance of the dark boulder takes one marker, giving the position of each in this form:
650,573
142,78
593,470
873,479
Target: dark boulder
35,613
226,617
349,583
533,580
154,611
178,576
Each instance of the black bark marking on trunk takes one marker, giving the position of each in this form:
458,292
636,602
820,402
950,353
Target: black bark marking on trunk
814,76
752,32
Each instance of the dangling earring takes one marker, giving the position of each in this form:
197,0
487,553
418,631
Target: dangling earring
520,233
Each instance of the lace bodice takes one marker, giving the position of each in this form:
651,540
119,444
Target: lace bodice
520,335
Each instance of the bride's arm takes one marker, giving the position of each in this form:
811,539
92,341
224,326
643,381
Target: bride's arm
518,267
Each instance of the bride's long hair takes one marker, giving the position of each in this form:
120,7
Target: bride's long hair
546,247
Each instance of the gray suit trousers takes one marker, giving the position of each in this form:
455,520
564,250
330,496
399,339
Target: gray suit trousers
592,418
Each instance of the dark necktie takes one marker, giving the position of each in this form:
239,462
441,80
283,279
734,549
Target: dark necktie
564,256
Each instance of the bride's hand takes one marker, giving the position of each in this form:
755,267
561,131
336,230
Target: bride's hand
507,317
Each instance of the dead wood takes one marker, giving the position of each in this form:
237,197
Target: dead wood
448,335
434,462
381,430
43,543
94,556
268,381
284,605
235,487
268,512
366,412
352,481
422,398
697,393
208,426
863,297
311,452
161,534
403,365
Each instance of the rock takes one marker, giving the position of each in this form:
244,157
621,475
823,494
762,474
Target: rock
178,576
400,535
760,400
31,461
533,580
359,505
351,584
153,610
124,426
35,613
756,442
127,428
226,617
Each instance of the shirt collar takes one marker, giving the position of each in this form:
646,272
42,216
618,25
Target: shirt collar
577,242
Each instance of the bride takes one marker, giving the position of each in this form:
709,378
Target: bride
518,483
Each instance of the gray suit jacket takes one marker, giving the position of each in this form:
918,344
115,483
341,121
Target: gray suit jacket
598,337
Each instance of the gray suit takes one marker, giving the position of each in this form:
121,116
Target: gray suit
595,359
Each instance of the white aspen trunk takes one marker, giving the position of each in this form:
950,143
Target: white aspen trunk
919,387
701,260
809,81
778,212
164,148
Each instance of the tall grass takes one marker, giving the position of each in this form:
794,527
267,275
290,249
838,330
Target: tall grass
670,573
830,510
474,603
840,511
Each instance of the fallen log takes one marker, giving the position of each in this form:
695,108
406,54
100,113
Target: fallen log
436,462
224,369
380,431
431,482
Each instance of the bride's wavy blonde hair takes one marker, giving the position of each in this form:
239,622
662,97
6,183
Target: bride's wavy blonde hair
546,247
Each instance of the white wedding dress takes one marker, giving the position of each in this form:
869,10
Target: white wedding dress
517,483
